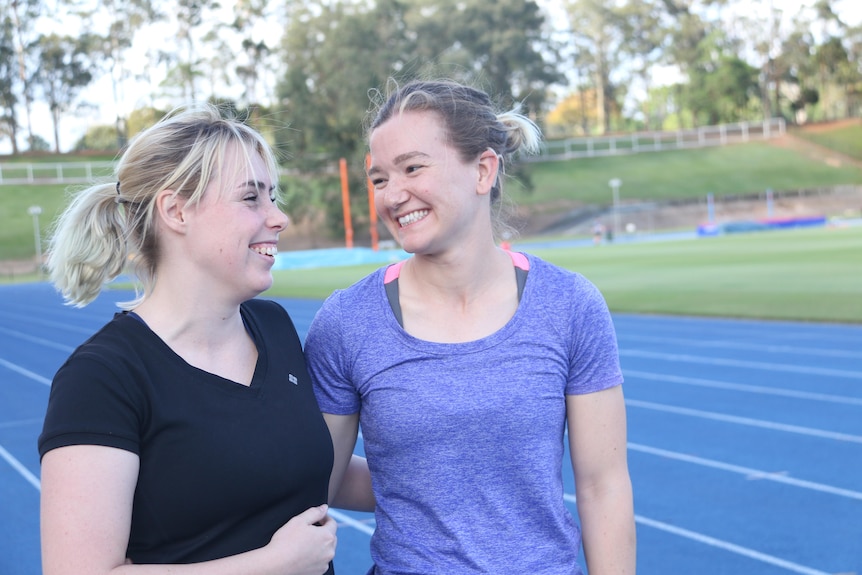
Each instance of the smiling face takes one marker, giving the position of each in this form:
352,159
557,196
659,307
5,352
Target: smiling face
233,231
427,196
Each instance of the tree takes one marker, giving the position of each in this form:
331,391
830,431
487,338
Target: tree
337,54
64,69
644,37
574,113
125,20
101,138
693,41
185,65
23,15
505,44
798,71
247,14
597,30
722,91
8,73
835,67
334,56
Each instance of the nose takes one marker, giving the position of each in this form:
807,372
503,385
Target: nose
393,196
278,219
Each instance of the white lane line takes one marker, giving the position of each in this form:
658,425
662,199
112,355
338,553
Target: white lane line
19,467
770,366
768,348
747,471
37,340
25,372
732,547
746,421
841,399
50,323
21,422
351,522
713,542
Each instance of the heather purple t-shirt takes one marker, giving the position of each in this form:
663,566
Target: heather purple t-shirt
465,441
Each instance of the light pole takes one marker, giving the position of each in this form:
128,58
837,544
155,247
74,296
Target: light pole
615,188
35,211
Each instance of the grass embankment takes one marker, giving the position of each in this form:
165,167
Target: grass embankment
802,274
730,170
846,138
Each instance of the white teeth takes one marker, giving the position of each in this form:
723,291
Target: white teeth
265,250
412,217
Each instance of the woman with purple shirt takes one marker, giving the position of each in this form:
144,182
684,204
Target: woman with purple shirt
466,364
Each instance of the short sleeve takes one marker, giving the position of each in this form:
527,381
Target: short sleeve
329,359
90,404
594,356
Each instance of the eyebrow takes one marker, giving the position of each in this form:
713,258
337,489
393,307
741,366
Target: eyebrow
256,184
398,160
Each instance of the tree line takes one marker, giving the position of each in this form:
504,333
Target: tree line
304,71
586,69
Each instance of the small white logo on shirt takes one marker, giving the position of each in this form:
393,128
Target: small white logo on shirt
292,379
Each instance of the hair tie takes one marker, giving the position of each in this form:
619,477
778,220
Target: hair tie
118,187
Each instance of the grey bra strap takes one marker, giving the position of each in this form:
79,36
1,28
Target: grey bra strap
395,304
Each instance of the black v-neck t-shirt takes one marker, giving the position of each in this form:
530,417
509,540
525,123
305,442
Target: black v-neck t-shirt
222,465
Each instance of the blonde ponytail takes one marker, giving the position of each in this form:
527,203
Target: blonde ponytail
88,246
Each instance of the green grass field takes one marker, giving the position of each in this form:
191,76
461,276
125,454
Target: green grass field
17,235
846,139
803,274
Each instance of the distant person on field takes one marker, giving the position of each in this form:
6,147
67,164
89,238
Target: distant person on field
184,436
466,364
598,232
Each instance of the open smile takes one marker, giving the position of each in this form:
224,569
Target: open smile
412,218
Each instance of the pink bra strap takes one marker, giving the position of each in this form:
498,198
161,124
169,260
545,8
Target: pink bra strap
520,261
392,272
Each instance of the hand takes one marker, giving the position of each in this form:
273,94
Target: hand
306,543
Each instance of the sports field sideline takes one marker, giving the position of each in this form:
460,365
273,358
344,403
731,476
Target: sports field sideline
745,438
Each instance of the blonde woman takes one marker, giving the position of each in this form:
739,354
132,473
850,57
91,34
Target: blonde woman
184,436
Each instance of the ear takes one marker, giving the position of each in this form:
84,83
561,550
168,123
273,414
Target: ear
170,209
489,166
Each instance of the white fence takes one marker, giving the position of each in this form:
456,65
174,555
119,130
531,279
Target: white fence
54,172
637,142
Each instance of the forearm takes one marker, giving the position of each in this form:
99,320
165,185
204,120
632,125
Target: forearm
252,562
355,492
608,528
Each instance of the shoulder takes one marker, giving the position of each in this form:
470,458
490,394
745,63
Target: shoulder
262,307
562,295
348,312
359,296
268,319
119,339
553,277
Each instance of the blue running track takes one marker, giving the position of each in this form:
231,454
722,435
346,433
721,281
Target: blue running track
745,438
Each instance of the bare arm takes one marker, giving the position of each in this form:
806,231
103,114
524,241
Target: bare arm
350,482
597,442
86,512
